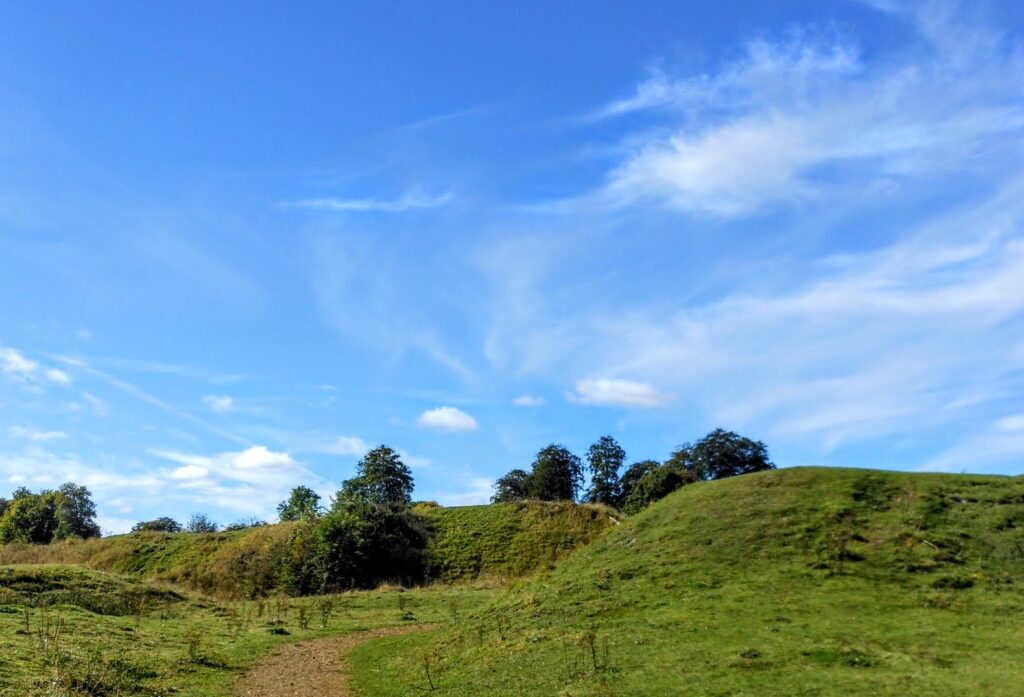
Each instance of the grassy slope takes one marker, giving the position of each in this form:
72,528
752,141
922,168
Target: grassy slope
509,540
89,630
795,582
469,542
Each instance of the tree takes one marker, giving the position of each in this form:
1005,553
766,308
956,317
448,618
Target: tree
76,513
633,474
382,479
200,522
723,453
302,504
604,458
163,524
31,518
557,475
4,503
657,484
514,486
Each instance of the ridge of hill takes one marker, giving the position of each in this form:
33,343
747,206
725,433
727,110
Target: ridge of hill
467,542
809,581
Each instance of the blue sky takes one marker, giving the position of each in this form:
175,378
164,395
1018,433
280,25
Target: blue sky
242,243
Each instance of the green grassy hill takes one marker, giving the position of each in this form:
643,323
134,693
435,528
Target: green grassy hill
791,582
499,541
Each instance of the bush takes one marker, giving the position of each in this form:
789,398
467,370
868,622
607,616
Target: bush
199,523
163,524
657,484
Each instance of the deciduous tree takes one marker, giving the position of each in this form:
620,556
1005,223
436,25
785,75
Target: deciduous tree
76,513
557,475
200,522
302,504
633,474
723,453
382,478
604,459
514,486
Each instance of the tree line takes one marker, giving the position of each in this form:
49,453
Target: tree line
371,532
558,475
47,516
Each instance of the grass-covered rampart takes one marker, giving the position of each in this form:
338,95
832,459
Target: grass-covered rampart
791,582
499,541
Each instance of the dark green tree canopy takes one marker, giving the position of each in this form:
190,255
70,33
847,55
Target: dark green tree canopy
514,486
302,504
657,484
76,513
557,475
49,515
4,503
382,479
31,519
163,524
604,459
200,522
633,474
723,453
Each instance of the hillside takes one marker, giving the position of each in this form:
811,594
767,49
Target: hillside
496,541
803,581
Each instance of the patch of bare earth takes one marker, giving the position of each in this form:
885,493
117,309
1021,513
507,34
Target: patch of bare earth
311,668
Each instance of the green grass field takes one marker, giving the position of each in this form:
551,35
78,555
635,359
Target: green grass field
69,631
792,582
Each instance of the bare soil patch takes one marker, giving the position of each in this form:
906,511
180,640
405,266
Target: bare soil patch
311,668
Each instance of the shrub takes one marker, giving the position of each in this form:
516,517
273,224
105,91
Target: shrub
657,484
199,523
163,524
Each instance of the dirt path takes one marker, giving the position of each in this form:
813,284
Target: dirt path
310,668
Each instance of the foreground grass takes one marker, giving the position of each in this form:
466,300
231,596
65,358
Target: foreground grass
69,631
798,582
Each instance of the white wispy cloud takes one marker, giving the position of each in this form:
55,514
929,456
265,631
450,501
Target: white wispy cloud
406,202
58,377
249,481
986,450
136,392
220,404
617,392
528,400
414,461
14,363
32,434
342,445
448,419
774,127
190,472
370,307
99,407
898,339
1011,423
